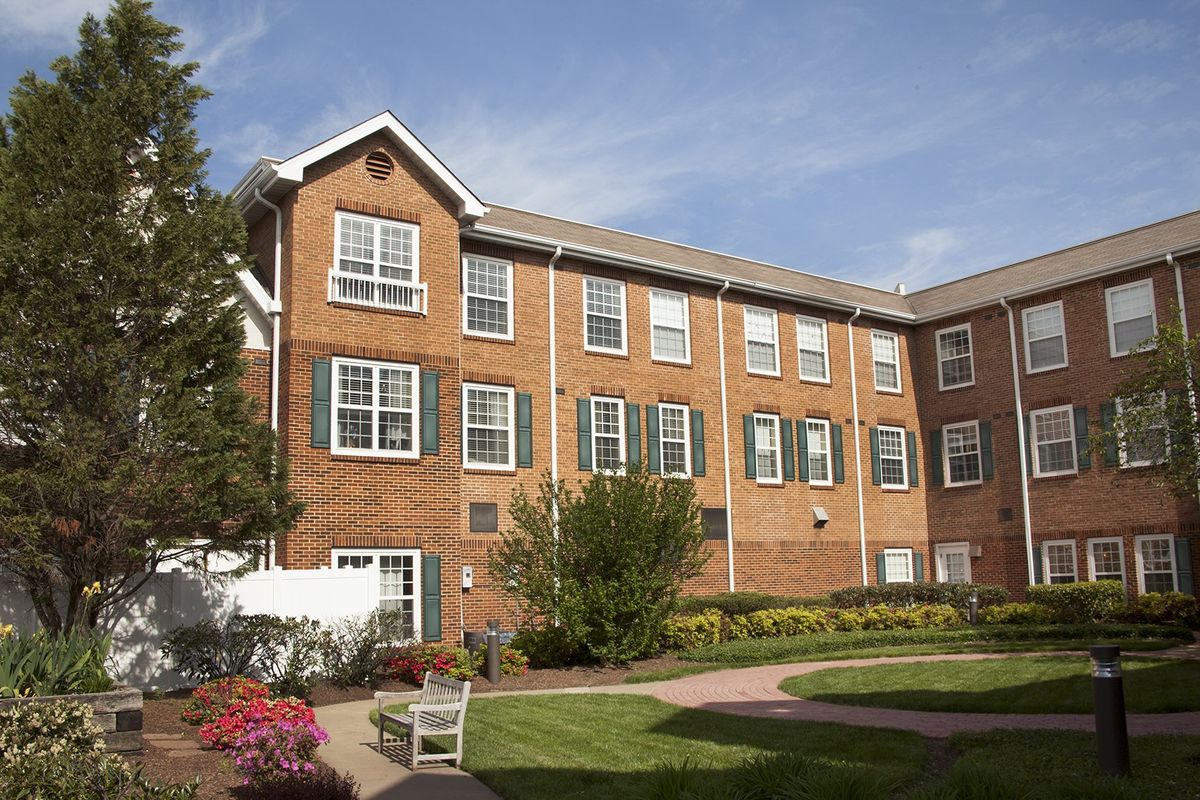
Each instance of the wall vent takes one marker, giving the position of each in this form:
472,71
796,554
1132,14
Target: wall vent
379,166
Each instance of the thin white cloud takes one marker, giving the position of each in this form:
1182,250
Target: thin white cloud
1142,90
930,256
30,24
222,42
1140,35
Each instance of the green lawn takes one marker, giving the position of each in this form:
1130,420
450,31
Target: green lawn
1059,685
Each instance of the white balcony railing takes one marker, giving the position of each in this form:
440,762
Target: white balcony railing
368,290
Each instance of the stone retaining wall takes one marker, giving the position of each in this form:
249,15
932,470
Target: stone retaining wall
117,712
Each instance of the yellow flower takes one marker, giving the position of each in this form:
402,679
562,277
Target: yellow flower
91,591
6,630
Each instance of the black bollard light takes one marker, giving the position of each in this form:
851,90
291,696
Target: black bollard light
1108,692
973,608
493,650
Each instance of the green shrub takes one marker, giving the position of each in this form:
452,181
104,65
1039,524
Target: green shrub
773,622
1164,607
549,648
282,651
354,648
778,622
731,604
46,664
1092,601
1016,614
689,631
920,593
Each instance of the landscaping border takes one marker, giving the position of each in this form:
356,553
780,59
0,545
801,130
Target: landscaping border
118,712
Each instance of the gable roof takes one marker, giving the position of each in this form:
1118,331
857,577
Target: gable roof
275,177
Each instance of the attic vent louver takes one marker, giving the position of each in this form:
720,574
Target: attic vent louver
379,166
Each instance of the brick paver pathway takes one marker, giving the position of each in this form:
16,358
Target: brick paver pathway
754,692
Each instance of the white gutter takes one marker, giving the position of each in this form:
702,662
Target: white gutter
1016,372
862,521
276,307
725,434
553,379
1191,390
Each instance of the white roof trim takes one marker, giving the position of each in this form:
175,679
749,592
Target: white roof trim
255,293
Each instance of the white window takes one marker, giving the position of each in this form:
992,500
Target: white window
1131,316
1147,446
488,429
487,310
893,461
812,343
954,562
669,335
674,452
381,248
1155,564
766,448
604,315
608,434
820,469
374,408
1053,441
885,348
1045,337
956,366
897,565
960,454
399,581
762,340
1059,558
1106,559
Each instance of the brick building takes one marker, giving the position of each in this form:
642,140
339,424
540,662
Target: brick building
430,353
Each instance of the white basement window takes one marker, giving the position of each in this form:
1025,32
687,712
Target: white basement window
374,408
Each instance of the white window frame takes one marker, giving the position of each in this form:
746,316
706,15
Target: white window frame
946,453
511,428
1062,324
891,551
687,327
776,445
1046,545
903,457
824,325
895,340
377,221
1112,337
1091,554
620,401
1038,472
687,443
824,423
374,554
508,300
591,348
746,311
1122,451
335,406
1141,567
937,343
944,549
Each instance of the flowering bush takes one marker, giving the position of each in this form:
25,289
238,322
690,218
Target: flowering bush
209,702
244,715
48,728
268,750
512,661
410,665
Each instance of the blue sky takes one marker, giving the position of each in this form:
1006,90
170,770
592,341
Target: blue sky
884,142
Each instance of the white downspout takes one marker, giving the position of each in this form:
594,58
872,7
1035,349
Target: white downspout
862,521
1016,372
1191,390
276,311
553,380
725,434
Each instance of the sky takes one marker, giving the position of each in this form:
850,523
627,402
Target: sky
879,143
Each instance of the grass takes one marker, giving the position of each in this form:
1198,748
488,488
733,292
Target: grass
1042,685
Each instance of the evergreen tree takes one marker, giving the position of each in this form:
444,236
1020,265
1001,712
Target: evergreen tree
124,434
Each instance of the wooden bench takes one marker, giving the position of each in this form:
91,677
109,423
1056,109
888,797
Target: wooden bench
439,711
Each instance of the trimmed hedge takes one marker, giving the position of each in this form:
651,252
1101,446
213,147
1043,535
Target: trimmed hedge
914,594
1090,601
733,603
689,631
1016,614
1159,608
797,621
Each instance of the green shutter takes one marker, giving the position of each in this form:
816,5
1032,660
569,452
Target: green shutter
1037,564
1082,447
918,567
524,429
789,450
322,384
987,463
1183,565
698,443
431,595
913,471
653,454
429,412
802,447
583,421
839,463
880,568
1108,417
935,458
1025,420
876,469
633,434
751,457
